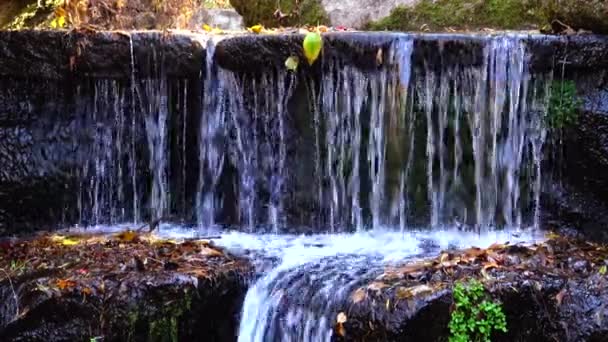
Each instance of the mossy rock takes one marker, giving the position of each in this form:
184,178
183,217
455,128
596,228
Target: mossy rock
462,14
439,15
295,13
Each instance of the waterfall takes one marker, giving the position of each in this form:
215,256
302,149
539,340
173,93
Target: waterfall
414,142
469,138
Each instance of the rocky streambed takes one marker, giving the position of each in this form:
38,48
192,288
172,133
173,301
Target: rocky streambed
134,287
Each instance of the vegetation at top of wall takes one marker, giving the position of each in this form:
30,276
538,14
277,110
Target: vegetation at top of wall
29,13
104,14
564,105
274,13
436,15
463,14
475,316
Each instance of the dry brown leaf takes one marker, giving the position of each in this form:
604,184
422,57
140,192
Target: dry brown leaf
210,252
358,295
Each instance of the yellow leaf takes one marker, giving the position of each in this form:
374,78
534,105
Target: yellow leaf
63,240
69,242
256,29
292,63
127,236
207,28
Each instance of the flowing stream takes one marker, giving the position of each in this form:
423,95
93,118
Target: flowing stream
324,179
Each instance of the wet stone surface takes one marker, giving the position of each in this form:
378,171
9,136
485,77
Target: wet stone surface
129,287
554,291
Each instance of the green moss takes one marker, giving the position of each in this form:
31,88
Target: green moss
464,14
436,15
299,12
164,330
165,326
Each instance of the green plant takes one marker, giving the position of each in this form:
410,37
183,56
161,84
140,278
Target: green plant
563,105
475,316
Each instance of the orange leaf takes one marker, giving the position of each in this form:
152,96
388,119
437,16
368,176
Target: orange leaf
63,284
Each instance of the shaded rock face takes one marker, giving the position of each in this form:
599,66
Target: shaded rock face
73,90
577,159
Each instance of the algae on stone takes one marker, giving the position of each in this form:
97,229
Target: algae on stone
438,15
267,12
463,14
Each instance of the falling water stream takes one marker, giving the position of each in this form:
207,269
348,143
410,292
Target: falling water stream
381,165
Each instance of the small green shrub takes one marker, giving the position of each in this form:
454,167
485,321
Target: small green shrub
475,316
563,105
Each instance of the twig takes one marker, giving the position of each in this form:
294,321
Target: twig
12,289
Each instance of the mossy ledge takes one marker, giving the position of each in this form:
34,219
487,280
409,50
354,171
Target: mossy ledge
273,13
442,15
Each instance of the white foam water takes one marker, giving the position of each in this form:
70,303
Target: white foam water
298,298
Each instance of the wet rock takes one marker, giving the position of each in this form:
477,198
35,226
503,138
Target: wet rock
90,295
62,55
542,299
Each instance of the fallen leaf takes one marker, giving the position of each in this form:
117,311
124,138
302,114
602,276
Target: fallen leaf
376,286
127,236
206,251
313,44
256,29
291,63
358,295
207,28
63,284
379,57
